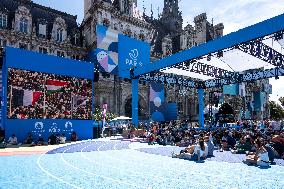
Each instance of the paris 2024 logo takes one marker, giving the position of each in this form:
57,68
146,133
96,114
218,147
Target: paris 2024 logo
133,60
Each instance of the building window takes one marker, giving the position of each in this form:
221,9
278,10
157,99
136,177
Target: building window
59,36
60,54
24,25
76,39
42,30
43,50
23,46
3,20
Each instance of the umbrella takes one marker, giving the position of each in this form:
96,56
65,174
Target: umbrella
121,118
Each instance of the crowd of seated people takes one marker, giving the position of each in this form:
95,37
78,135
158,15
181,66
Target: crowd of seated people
260,144
53,105
31,141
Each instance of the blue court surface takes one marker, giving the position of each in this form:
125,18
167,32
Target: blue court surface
123,164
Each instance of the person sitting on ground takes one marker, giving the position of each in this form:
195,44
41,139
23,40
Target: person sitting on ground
245,145
2,142
40,141
52,139
231,140
210,146
62,139
58,138
260,157
195,152
272,153
29,139
13,140
278,144
74,137
151,139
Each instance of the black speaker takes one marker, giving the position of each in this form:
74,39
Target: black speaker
96,76
96,132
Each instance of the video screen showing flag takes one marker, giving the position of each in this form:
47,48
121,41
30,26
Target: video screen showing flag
35,95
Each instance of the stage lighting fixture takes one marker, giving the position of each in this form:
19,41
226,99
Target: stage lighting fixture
220,54
278,36
209,57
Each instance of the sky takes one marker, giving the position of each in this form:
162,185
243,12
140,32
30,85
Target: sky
234,14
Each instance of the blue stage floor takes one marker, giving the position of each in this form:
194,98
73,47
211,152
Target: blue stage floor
124,164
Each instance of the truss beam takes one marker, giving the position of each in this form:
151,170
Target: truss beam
201,68
170,79
250,33
263,52
247,77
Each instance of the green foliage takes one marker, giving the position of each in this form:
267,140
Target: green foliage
98,115
276,111
281,99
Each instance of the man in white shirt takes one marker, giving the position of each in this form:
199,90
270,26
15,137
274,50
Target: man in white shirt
13,140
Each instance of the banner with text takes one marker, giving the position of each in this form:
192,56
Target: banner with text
132,53
43,128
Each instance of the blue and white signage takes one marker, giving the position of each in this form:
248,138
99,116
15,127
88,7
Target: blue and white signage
131,54
43,128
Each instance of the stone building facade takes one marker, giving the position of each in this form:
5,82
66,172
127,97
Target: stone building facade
26,25
30,26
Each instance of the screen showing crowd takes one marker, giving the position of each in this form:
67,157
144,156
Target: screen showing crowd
36,95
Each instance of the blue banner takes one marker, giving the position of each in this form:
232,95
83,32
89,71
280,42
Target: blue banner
259,101
45,127
232,89
132,53
157,102
106,54
171,112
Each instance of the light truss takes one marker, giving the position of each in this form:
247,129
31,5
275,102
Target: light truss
201,68
170,79
247,77
259,50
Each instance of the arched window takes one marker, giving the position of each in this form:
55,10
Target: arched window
24,25
3,20
59,36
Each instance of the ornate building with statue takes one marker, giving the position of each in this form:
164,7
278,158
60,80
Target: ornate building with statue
26,25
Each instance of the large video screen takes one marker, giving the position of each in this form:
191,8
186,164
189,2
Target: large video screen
35,95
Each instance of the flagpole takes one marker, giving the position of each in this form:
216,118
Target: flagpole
44,98
72,106
10,109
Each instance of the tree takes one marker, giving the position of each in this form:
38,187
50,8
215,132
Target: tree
281,99
276,111
98,115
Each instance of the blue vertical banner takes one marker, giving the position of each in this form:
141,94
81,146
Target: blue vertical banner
201,107
171,111
157,102
135,102
259,101
106,54
132,53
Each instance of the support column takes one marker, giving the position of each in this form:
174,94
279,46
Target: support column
4,94
135,102
201,107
